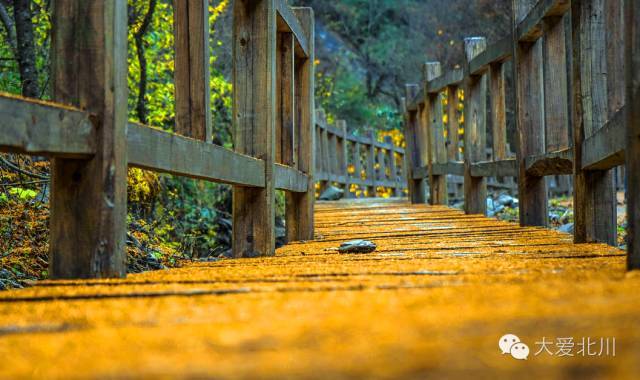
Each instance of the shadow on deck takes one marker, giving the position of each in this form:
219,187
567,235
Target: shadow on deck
434,299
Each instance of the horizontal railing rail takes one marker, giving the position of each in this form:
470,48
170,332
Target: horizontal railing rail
573,78
91,143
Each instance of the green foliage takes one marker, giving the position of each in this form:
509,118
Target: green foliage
9,71
23,194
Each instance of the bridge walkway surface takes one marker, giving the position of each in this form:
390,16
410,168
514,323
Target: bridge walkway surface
433,300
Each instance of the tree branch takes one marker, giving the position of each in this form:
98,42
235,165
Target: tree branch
9,26
141,107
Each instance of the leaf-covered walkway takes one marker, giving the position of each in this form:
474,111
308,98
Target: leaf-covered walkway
435,298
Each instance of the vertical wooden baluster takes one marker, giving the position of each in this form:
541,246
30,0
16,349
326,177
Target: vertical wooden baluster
527,66
357,156
632,68
254,108
192,97
89,197
371,162
435,131
498,111
417,187
299,206
393,169
594,193
342,126
381,167
285,99
556,98
453,126
475,119
324,151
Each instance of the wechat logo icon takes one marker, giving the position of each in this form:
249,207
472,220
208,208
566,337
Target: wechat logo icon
511,344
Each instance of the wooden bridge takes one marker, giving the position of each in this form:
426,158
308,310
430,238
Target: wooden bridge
443,285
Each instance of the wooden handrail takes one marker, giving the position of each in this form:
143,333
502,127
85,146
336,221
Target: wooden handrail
584,130
92,147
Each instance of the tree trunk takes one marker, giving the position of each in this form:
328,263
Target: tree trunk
26,48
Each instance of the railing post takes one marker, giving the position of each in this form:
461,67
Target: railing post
475,129
382,168
453,104
528,69
371,162
436,149
192,88
324,151
254,119
285,99
299,206
357,157
417,187
632,65
498,111
344,168
594,192
393,169
89,197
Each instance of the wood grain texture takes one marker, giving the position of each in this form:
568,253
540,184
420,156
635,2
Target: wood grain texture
550,163
371,163
453,125
556,71
605,149
285,100
89,197
632,94
254,111
436,148
291,180
192,86
475,133
156,150
45,129
497,87
528,74
289,21
502,168
417,188
594,192
299,206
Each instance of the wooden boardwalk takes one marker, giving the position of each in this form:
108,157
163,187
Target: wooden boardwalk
435,298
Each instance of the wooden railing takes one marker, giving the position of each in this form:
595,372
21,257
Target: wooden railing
90,142
574,92
373,164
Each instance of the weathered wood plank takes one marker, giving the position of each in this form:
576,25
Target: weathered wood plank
550,163
192,88
285,100
371,163
475,133
556,94
528,74
453,125
632,78
416,186
290,179
450,78
299,206
254,106
531,27
594,191
89,197
605,149
435,137
44,129
502,168
497,85
161,151
494,54
288,21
